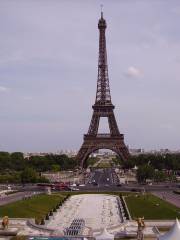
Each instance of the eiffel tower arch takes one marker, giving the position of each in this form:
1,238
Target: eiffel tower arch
103,107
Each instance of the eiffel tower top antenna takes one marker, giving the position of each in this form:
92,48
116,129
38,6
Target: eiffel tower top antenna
101,10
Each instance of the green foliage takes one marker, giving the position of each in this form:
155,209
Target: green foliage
169,161
55,168
129,163
91,161
15,169
145,172
19,237
117,161
104,164
17,161
48,162
171,177
4,161
159,176
42,179
29,175
10,178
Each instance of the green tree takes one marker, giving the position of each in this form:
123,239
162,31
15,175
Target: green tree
42,179
17,161
4,161
10,178
145,172
55,168
29,175
159,176
91,161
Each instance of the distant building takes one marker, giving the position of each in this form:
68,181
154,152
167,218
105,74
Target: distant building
28,155
136,151
69,153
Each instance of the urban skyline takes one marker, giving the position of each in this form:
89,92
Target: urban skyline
49,65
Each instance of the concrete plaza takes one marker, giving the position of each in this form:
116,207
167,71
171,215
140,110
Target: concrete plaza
98,211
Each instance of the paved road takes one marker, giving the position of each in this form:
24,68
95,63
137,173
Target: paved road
107,180
103,177
124,188
169,197
14,197
160,192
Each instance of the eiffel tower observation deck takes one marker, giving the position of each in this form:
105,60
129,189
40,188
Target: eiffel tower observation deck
103,107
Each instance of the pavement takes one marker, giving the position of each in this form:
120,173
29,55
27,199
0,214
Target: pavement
98,210
107,180
169,197
103,177
15,197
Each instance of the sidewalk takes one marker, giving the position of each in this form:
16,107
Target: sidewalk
169,197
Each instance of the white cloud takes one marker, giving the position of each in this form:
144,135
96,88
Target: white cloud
134,72
4,89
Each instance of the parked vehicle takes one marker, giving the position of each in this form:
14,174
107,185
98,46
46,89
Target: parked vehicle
119,185
74,189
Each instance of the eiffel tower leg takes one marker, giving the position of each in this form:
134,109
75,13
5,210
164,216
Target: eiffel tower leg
122,152
83,155
113,124
93,128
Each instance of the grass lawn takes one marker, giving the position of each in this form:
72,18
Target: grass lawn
151,207
38,206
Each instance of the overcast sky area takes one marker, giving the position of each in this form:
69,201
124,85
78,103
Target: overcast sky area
48,72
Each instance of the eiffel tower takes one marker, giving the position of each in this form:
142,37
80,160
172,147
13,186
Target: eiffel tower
103,107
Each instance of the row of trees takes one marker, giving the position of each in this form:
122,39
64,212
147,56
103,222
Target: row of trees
28,175
14,168
146,171
157,161
50,162
157,167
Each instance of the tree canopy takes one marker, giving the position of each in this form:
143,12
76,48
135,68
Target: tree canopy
169,161
14,168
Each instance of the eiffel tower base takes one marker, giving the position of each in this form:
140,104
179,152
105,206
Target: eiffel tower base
94,143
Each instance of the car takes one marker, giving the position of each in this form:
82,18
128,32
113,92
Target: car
82,185
135,190
73,185
95,183
119,185
74,189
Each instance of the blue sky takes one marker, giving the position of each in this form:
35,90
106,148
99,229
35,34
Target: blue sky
48,71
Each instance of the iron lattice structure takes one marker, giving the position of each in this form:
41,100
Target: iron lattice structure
103,107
